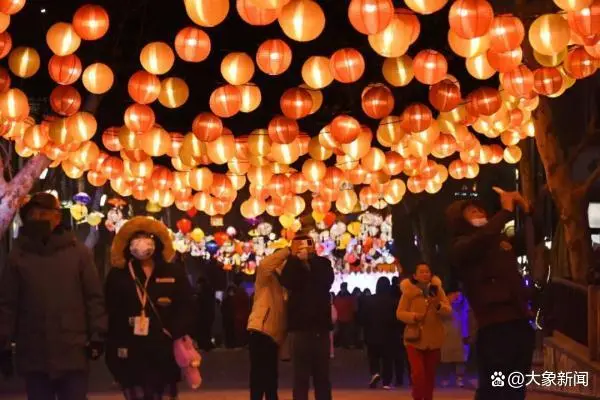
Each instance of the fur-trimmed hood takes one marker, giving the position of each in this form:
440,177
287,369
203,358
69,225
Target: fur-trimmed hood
411,290
455,221
133,226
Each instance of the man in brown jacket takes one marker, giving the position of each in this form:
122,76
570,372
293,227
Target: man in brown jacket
51,304
485,260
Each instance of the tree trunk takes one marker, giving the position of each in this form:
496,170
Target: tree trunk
11,193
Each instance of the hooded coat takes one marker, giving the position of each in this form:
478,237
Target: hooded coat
51,304
485,261
413,301
379,315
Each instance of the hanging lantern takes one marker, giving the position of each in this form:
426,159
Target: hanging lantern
345,129
573,5
394,191
296,103
156,142
207,127
112,168
279,186
4,22
506,33
485,101
24,62
518,82
5,44
285,153
507,61
317,151
207,13
314,170
98,78
444,146
253,14
398,71
91,22
547,81
274,56
479,67
316,72
14,105
346,201
5,81
192,44
252,208
174,92
512,154
251,97
394,40
445,95
283,130
221,150
139,118
580,64
347,65
333,178
430,67
65,70
237,68
143,87
11,7
320,205
96,178
586,22
370,16
302,20
378,102
471,18
201,179
259,142
359,147
62,39
225,101
65,100
549,34
36,137
394,163
110,139
374,160
157,58
468,48
426,7
390,131
416,117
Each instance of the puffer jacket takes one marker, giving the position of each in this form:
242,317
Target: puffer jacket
51,304
413,301
268,313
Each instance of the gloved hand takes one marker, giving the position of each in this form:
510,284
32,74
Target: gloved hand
95,350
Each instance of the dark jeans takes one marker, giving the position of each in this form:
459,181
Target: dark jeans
346,334
400,361
504,348
69,386
380,362
310,357
263,366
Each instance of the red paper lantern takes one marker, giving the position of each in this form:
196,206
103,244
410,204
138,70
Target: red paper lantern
506,33
225,101
279,186
139,118
547,81
378,102
185,226
222,187
207,127
580,64
4,80
518,82
471,18
445,95
254,15
507,61
162,178
192,44
586,22
110,139
5,44
416,118
91,22
485,100
274,57
65,100
347,65
283,130
345,129
65,70
11,7
410,21
333,178
299,182
430,67
370,16
112,168
318,204
143,87
296,103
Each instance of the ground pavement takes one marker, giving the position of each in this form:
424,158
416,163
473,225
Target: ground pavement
225,374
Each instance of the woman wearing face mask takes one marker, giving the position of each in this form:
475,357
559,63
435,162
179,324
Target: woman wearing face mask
422,306
150,304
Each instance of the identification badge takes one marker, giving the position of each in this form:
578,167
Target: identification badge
141,325
123,353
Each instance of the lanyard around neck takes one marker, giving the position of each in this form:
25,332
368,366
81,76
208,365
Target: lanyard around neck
142,295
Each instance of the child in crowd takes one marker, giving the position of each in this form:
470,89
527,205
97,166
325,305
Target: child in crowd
455,350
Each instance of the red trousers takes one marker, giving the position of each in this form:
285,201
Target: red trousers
423,364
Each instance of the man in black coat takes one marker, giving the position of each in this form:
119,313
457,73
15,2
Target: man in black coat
308,279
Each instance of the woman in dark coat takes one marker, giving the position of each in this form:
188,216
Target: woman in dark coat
150,304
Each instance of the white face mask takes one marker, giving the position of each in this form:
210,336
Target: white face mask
142,248
479,222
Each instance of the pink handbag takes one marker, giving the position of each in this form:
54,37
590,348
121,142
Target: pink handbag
189,360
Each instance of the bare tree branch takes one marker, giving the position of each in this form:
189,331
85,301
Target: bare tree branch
591,180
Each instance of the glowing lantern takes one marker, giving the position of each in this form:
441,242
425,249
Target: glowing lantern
5,44
316,72
251,97
62,39
510,137
156,142
485,100
547,81
314,170
398,71
86,155
471,18
425,6
394,40
5,81
157,58
580,64
98,78
445,95
36,137
283,130
14,105
65,70
174,92
549,34
320,205
512,154
394,163
279,186
259,142
225,101
468,47
377,102
24,62
586,22
285,153
221,186
4,22
192,44
65,100
252,208
345,129
237,68
346,201
302,20
444,146
11,7
317,151
430,67
82,126
390,131
255,13
506,33
573,5
207,127
299,182
274,57
347,65
207,13
416,117
143,87
394,191
370,16
221,150
374,160
296,103
112,167
518,82
479,67
201,179
91,22
96,178
110,139
333,178
507,61
358,147
139,118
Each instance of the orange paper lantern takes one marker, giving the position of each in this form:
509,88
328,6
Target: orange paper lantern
430,67
24,62
506,33
5,44
518,82
91,22
471,18
370,16
302,20
65,70
65,100
445,95
11,7
225,101
207,127
580,64
192,44
143,87
296,103
139,118
98,78
62,39
253,14
416,118
345,129
547,81
347,65
274,57
378,102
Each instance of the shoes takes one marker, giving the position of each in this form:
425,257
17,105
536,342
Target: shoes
387,387
374,381
460,382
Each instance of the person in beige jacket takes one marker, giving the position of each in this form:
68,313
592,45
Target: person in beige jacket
422,306
267,326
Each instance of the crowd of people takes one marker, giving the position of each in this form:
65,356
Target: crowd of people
53,307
